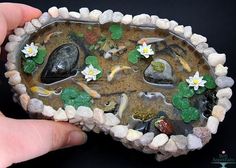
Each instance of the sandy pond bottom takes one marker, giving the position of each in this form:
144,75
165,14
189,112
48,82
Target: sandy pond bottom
131,82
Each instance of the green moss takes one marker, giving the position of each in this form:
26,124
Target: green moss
185,90
29,66
190,114
180,102
39,58
158,66
210,84
133,56
116,31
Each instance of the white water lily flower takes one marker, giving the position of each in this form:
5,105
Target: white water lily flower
30,50
145,50
90,73
196,81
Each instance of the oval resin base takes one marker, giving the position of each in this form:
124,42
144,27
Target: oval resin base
152,84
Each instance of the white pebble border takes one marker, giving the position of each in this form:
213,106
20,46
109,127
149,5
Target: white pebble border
95,119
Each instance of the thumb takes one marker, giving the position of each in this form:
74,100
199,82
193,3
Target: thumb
21,140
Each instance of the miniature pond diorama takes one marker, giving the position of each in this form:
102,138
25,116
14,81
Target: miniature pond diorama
149,82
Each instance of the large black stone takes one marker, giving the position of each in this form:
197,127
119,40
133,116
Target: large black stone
62,63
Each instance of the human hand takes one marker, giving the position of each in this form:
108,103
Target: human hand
21,140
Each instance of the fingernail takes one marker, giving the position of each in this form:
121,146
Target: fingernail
76,138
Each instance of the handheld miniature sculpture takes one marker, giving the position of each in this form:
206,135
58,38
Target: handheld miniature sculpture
150,83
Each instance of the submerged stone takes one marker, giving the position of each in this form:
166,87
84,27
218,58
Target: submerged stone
62,63
161,77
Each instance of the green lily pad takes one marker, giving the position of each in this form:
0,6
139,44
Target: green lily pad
29,66
116,31
210,84
190,114
158,66
76,98
185,90
39,58
92,60
133,56
180,102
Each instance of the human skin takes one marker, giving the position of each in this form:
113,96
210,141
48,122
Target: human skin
22,140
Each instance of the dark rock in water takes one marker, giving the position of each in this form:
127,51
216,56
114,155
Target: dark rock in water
205,103
62,63
181,128
159,73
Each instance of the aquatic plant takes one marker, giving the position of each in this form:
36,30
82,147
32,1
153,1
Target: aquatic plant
116,31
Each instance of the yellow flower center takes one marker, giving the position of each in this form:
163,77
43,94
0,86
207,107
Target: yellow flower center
145,50
30,50
91,72
195,81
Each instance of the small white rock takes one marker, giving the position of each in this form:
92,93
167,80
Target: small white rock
29,28
35,106
119,131
98,116
194,142
19,31
214,59
209,51
133,135
170,146
14,79
127,19
154,19
8,74
180,141
179,30
173,24
13,37
11,46
20,88
75,15
224,81
48,111
221,70
36,23
197,39
158,141
111,119
201,47
212,124
188,32
224,93
163,23
63,12
117,16
225,103
146,138
24,101
60,115
219,111
53,11
10,66
106,16
84,112
11,57
94,15
44,18
70,111
142,19
84,13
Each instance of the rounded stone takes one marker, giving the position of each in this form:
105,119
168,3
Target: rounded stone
146,138
98,116
70,111
36,23
119,131
194,142
94,15
11,46
197,39
133,135
224,93
221,70
154,19
179,29
20,88
106,16
212,124
180,141
29,28
203,133
48,111
84,112
127,19
53,11
225,103
170,146
214,59
35,106
142,19
60,115
224,81
159,141
117,16
63,12
24,101
19,31
13,37
44,18
219,112
111,119
188,32
163,23
84,13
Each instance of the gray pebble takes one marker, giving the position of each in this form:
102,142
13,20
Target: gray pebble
19,31
35,106
106,16
188,32
20,88
36,23
29,28
117,16
224,81
63,12
209,51
201,47
44,18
